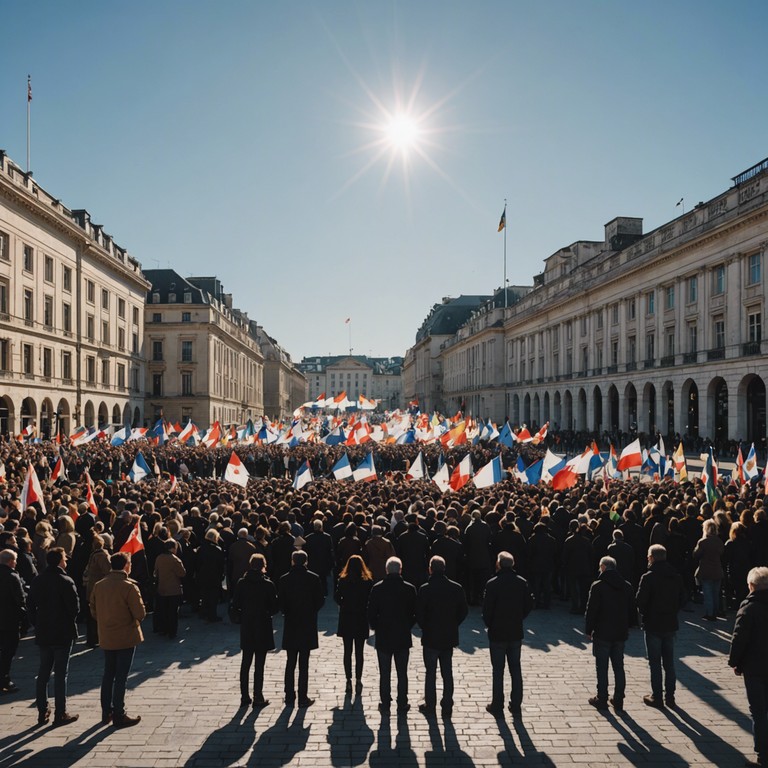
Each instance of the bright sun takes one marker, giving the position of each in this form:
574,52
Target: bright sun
402,132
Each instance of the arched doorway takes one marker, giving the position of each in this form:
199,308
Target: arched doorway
613,408
536,414
46,419
6,415
649,409
62,425
717,402
116,415
568,409
630,404
516,409
28,412
581,410
597,408
690,400
545,414
558,411
88,414
668,402
136,416
103,415
527,409
755,409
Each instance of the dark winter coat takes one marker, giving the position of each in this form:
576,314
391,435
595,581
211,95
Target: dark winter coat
507,601
300,594
609,607
477,544
392,612
441,606
660,597
319,548
542,549
209,564
13,606
255,598
352,598
577,556
413,549
750,636
708,552
452,552
53,607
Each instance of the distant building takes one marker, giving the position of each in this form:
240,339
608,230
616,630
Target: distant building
204,363
376,378
71,316
285,386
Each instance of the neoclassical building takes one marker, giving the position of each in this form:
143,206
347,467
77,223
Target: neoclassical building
204,363
647,331
71,315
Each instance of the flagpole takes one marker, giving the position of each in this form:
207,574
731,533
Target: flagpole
29,103
349,323
504,285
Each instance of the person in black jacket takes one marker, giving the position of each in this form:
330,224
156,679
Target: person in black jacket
300,595
748,657
609,613
53,609
441,606
578,563
507,601
319,548
13,617
660,597
255,602
391,615
209,565
351,594
542,553
412,547
477,545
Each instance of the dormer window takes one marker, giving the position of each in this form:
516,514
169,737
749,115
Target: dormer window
187,297
171,298
155,298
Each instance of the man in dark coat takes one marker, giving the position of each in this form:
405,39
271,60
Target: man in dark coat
507,601
13,617
319,548
441,606
391,615
413,550
608,616
660,597
53,609
542,552
300,596
577,562
446,544
748,656
255,603
477,546
209,565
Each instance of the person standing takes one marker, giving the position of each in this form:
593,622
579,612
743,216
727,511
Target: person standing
660,596
300,595
709,573
610,606
391,615
255,601
210,571
477,546
13,617
169,577
507,601
117,606
748,657
53,609
319,548
441,606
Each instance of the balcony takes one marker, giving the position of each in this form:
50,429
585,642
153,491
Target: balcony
667,361
750,348
612,369
649,363
716,354
631,366
690,357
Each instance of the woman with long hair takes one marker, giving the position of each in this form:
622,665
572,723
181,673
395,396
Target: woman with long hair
351,594
709,573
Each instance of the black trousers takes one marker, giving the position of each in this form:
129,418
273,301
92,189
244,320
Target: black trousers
258,659
290,674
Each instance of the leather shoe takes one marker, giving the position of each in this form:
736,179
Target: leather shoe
598,703
617,704
651,701
64,718
126,721
44,716
106,717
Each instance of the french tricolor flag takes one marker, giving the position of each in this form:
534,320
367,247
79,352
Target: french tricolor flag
490,474
303,476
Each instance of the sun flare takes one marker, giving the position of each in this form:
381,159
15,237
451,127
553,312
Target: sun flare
402,132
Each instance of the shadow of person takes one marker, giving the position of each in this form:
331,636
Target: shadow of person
280,743
67,754
639,747
453,754
349,736
219,745
385,755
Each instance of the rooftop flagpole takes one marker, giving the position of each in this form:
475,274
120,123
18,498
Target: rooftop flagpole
29,110
348,322
503,225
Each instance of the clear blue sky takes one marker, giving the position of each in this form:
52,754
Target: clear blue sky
240,138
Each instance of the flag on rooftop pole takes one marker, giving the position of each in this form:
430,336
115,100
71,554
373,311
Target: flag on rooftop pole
503,219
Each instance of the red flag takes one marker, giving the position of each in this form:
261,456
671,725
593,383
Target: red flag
89,495
32,492
174,482
59,470
134,543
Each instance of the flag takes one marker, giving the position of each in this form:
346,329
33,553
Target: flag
442,479
462,474
506,436
678,457
303,476
235,472
750,465
532,474
709,478
740,467
566,478
31,492
89,499
503,220
121,435
418,469
174,484
455,436
541,434
59,470
342,469
212,436
2,472
365,470
29,89
631,456
552,464
189,432
134,543
523,435
490,474
140,468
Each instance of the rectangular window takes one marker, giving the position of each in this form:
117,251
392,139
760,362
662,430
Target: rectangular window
157,384
5,355
66,279
599,319
48,312
90,328
650,303
599,358
692,289
568,331
105,372
157,317
718,280
90,291
693,338
187,297
104,298
121,308
615,314
28,259
135,313
29,306
584,359
584,325
47,362
755,270
614,352
186,317
66,318
135,343
650,347
66,366
718,332
631,309
90,369
631,349
670,342
121,338
186,383
5,253
48,269
121,376
27,359
186,351
104,332
755,326
4,292
135,379
157,351
669,296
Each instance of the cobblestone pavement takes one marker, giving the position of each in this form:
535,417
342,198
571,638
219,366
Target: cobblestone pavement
187,694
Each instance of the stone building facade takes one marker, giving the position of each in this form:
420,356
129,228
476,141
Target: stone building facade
71,315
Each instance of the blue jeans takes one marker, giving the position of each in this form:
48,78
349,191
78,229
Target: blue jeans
53,658
757,696
506,654
385,673
431,658
117,666
660,647
613,651
710,591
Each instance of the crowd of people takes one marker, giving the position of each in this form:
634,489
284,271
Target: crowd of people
392,553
